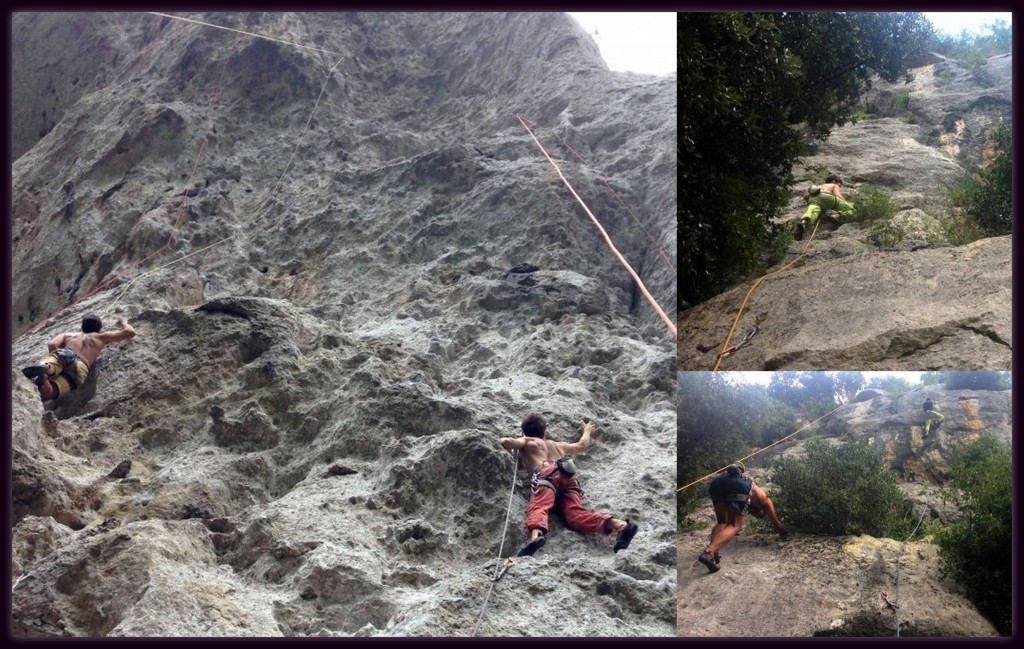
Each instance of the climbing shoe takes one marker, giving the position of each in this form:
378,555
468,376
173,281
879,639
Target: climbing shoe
709,561
625,536
532,547
36,374
800,231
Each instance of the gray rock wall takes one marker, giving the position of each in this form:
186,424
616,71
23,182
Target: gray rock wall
332,342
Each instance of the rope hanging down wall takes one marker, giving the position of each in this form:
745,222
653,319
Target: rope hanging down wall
639,282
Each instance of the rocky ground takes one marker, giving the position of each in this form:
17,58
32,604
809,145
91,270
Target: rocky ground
371,276
920,305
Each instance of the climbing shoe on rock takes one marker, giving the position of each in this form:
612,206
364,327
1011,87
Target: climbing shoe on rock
36,374
532,547
709,561
800,231
625,536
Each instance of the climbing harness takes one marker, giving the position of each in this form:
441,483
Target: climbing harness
500,570
639,282
746,341
746,299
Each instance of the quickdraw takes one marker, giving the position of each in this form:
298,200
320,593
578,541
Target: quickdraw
509,562
885,598
746,341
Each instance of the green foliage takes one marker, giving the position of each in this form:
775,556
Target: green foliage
744,80
841,489
960,228
977,380
719,422
859,115
986,196
894,385
976,549
873,204
902,100
814,394
878,207
886,234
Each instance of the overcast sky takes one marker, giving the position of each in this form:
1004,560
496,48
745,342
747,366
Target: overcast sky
953,22
634,42
645,42
764,378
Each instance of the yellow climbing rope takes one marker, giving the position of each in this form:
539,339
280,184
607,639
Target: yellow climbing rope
735,322
779,441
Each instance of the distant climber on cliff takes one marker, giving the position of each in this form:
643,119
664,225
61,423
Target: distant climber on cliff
733,496
554,485
933,419
820,199
72,354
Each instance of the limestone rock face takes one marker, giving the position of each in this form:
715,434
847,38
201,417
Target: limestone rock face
351,272
919,305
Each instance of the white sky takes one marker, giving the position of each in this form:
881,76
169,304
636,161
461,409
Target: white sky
953,22
764,378
634,42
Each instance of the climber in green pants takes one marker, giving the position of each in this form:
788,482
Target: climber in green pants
933,417
823,198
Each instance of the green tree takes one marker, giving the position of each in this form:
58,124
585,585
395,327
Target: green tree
745,79
977,380
840,489
976,549
894,385
719,422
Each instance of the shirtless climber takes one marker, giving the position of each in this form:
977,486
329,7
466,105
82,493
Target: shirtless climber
71,356
733,496
554,485
828,196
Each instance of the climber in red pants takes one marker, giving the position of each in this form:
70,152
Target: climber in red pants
554,486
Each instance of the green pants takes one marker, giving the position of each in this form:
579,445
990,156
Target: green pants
933,416
823,202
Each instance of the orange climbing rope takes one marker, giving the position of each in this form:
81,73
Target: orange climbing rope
732,330
640,284
604,181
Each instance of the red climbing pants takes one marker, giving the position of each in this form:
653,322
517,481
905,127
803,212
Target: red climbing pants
565,500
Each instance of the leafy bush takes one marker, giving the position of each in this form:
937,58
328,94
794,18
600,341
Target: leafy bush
840,489
902,100
873,204
977,549
886,234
